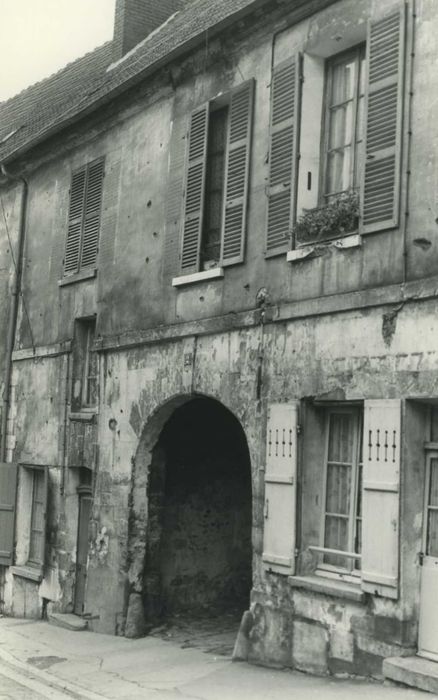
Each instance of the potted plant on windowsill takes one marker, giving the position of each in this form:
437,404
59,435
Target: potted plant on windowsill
338,218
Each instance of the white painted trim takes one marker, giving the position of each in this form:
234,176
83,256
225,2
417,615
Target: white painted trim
214,273
352,241
299,253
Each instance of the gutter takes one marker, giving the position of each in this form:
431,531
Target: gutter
13,315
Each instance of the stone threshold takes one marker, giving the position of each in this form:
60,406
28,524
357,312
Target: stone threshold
68,621
414,671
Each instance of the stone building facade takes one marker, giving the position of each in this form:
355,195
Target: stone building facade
223,380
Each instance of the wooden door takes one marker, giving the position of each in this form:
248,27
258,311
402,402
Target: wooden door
428,628
82,552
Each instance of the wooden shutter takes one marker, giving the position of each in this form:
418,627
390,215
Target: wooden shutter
8,491
381,495
280,488
237,174
91,224
195,188
283,154
75,215
384,97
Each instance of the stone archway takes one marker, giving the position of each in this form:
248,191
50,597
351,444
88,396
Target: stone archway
192,515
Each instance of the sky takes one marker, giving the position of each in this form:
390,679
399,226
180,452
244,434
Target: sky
38,37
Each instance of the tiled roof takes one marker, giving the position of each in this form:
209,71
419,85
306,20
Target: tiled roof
44,108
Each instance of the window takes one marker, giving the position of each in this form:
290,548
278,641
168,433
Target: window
217,182
85,366
336,134
342,518
84,218
344,123
38,518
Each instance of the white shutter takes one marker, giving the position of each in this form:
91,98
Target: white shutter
280,488
381,497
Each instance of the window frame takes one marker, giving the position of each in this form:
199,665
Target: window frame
38,560
358,51
349,571
82,348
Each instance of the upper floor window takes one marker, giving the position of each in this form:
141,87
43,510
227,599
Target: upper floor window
336,135
84,218
217,181
344,123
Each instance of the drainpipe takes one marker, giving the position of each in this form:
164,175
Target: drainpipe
12,326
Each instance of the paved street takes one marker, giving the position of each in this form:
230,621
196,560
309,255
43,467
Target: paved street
38,660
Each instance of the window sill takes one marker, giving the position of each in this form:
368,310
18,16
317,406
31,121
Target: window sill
32,573
330,587
78,277
214,273
84,415
352,241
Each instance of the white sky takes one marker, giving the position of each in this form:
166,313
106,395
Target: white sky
37,37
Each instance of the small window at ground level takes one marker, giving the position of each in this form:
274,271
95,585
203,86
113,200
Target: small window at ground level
342,517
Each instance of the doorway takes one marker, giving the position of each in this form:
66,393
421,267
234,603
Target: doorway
428,625
198,551
85,503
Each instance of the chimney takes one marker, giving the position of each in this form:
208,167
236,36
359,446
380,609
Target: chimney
136,19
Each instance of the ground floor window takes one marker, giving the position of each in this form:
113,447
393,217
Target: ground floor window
341,519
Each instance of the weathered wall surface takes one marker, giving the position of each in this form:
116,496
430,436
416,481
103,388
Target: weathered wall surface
387,349
144,146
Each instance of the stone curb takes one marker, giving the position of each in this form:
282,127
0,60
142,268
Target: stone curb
36,677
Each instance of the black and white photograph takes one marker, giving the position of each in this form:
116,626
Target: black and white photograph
218,349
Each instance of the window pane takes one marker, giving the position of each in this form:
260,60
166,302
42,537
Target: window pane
432,533
343,81
338,171
433,490
340,438
36,544
338,489
341,126
336,537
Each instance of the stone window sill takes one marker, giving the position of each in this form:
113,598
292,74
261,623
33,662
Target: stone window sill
352,241
214,273
328,586
78,277
32,573
84,415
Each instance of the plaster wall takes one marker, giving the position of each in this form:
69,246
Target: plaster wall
143,138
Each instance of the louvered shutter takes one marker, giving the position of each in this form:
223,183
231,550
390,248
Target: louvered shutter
280,488
381,496
283,154
237,174
385,59
8,490
75,216
91,224
195,188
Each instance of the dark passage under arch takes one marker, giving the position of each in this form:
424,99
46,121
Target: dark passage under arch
198,555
